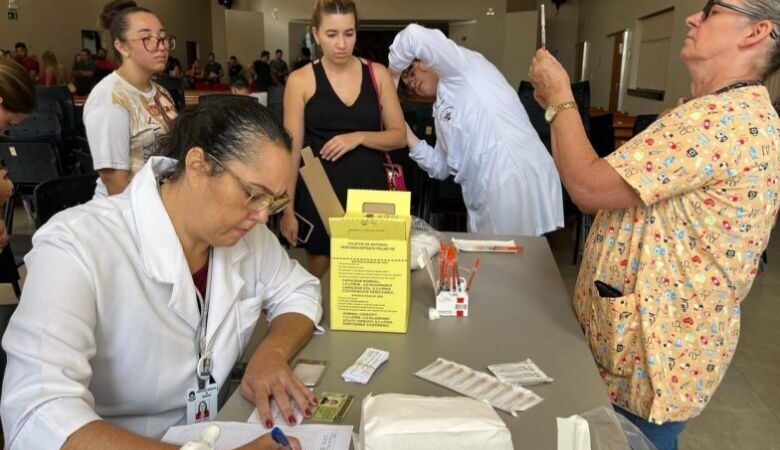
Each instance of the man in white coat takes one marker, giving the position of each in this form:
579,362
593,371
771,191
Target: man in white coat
483,136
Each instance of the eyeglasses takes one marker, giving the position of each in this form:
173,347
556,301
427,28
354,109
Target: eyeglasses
257,200
152,43
707,11
407,76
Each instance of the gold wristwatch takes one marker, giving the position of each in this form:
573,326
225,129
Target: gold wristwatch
552,111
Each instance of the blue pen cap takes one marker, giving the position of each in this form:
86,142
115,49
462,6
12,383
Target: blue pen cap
280,438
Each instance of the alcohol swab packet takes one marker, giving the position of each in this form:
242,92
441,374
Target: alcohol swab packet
365,366
524,373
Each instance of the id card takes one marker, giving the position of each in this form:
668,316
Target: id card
309,371
333,407
202,404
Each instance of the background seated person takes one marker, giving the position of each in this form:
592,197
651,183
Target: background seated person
240,86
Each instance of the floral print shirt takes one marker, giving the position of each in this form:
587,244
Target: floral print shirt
708,174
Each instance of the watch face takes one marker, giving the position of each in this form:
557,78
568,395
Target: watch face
549,114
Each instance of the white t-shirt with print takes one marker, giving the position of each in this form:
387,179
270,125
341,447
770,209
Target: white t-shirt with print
124,125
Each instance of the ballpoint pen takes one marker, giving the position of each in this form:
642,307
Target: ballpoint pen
279,437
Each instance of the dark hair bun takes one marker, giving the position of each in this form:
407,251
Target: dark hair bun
112,8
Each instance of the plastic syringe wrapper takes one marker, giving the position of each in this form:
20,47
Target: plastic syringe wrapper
480,386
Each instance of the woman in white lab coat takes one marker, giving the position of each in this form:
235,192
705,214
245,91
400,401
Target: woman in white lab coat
104,347
483,136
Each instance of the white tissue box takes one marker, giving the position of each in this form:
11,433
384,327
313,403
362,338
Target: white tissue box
411,422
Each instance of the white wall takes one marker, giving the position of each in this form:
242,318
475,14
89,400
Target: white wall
486,36
598,18
562,30
245,35
520,44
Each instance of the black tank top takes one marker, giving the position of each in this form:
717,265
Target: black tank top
326,116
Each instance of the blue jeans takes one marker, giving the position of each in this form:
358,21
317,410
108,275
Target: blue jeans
664,437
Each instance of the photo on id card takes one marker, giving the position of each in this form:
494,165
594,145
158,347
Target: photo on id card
202,404
333,407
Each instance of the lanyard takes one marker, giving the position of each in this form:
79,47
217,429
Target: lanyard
737,85
205,362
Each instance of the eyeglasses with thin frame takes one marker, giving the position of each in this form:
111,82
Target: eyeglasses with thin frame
707,11
152,43
257,200
407,76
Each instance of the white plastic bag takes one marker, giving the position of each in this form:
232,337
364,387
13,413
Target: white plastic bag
425,237
411,422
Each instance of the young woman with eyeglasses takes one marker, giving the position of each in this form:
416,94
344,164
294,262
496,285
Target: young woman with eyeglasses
127,113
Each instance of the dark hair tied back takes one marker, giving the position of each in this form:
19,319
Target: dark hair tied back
114,17
226,129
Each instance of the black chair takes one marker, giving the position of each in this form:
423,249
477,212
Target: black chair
30,163
174,87
48,105
602,134
55,195
9,270
643,121
12,256
581,91
65,100
83,156
37,127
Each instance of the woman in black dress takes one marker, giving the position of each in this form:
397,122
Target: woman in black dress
332,106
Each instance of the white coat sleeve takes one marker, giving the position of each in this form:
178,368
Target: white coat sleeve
431,160
288,286
50,341
431,47
452,141
108,134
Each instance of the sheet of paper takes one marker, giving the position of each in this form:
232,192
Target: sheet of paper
236,434
277,416
477,245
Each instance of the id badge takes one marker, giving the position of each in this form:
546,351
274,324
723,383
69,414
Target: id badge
202,404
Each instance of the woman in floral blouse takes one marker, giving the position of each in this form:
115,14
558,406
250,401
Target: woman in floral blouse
685,210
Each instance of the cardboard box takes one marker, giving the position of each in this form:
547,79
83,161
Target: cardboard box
322,193
369,271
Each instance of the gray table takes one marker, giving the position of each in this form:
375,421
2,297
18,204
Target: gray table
519,309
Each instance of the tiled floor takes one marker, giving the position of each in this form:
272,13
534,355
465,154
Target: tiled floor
744,414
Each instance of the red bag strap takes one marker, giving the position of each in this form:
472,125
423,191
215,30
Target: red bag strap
379,102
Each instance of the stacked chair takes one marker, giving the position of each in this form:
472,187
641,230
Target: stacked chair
46,146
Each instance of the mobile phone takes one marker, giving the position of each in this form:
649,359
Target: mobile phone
304,229
309,371
607,291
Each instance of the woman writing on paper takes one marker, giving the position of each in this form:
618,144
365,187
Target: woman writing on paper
134,301
348,113
484,137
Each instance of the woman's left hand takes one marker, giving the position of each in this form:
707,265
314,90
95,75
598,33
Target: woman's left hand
268,376
339,145
552,85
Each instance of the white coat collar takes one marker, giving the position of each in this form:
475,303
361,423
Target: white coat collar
163,258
